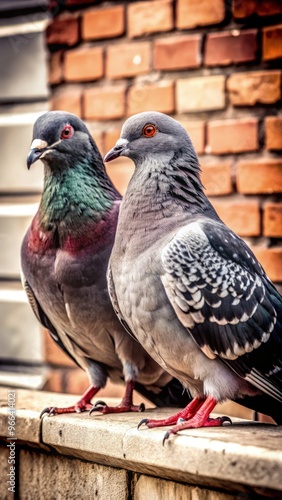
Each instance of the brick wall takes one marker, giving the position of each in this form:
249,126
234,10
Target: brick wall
214,66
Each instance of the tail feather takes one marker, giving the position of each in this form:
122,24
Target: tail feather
173,394
263,404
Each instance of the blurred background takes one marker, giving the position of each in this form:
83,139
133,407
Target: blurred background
214,66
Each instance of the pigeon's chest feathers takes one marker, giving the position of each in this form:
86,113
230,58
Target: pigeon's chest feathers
92,236
75,214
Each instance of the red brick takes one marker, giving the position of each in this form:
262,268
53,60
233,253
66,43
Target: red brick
53,354
110,138
76,381
269,7
128,59
242,216
259,176
243,8
158,96
196,131
273,132
112,391
104,103
178,52
246,8
232,136
216,178
264,418
120,171
84,64
63,31
234,410
272,220
71,3
67,99
190,14
144,18
271,261
272,42
248,89
231,47
200,94
54,381
103,23
55,75
97,135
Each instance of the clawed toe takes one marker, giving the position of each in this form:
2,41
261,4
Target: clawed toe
96,408
166,436
48,410
143,421
226,419
99,403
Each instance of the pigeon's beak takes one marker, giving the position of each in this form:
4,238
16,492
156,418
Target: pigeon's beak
36,150
117,150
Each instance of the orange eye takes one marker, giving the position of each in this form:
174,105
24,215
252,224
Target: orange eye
149,130
67,132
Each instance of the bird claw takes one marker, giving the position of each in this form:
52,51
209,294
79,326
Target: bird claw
48,410
143,421
226,419
141,407
166,436
98,406
99,403
95,408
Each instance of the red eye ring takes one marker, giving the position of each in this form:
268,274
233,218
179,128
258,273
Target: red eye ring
67,132
149,130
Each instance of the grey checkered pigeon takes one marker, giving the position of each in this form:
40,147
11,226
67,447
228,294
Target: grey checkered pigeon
187,287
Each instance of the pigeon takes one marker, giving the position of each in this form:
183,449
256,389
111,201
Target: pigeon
187,287
64,259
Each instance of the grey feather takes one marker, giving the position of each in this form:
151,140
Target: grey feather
65,254
190,289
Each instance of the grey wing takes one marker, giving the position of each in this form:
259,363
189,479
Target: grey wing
115,304
42,317
222,296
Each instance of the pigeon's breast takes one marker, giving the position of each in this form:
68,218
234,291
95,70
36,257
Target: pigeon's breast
147,310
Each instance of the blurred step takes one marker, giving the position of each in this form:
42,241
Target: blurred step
15,139
23,55
15,217
20,335
21,349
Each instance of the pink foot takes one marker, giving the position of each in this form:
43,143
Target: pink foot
125,406
196,423
185,414
83,404
121,408
77,408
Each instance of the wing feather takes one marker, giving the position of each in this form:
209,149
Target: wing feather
222,296
43,318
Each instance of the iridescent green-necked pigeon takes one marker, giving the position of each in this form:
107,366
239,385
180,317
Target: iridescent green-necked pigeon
64,258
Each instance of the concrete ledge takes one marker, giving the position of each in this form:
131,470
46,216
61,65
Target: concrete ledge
245,457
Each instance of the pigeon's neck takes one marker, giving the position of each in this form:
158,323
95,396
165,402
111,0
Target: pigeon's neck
166,185
75,197
159,193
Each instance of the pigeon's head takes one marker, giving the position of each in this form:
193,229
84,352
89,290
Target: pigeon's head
60,139
150,133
